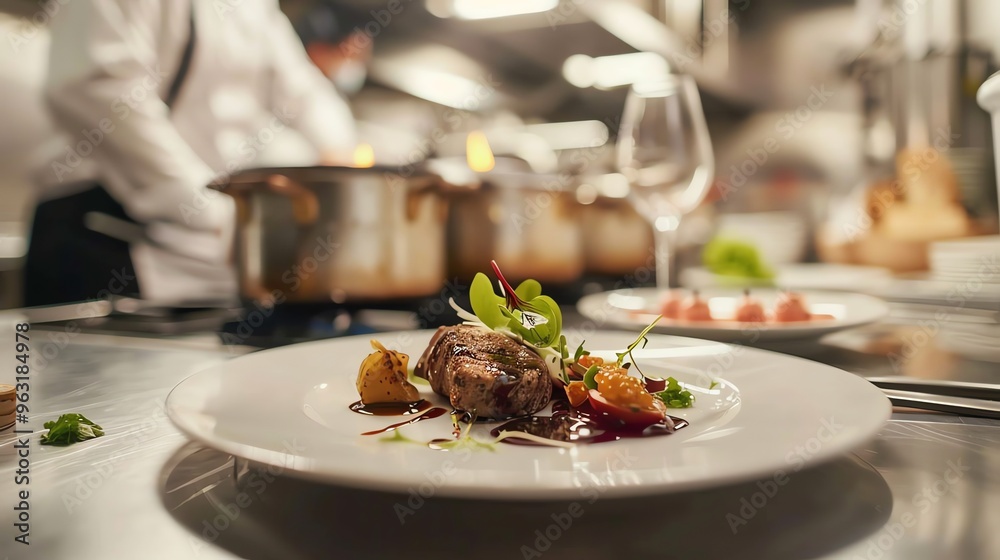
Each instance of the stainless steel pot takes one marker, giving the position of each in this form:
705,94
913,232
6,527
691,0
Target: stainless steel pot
528,222
321,234
617,240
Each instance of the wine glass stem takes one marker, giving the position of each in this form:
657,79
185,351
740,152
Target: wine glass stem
664,243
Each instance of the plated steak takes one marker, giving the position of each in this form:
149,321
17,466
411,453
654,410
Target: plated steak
485,372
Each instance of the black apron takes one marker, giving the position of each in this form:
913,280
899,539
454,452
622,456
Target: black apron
67,261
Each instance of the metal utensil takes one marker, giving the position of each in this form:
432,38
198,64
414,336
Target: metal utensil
75,311
940,403
965,389
123,306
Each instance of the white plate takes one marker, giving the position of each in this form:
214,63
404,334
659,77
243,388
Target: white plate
288,408
968,244
635,308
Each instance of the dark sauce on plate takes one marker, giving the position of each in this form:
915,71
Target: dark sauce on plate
432,413
581,425
390,409
567,424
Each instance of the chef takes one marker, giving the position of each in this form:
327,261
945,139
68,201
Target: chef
158,99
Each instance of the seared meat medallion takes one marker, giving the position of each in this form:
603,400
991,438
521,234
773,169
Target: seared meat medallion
485,372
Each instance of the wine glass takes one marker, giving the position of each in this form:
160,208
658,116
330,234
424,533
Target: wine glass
665,153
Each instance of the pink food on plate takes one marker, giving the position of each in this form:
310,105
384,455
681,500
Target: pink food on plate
670,305
695,309
790,308
750,310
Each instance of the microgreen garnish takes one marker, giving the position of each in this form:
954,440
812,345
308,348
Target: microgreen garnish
531,289
398,437
675,396
523,313
536,318
462,438
580,352
641,339
70,428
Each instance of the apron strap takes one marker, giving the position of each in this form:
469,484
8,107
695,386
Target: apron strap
185,65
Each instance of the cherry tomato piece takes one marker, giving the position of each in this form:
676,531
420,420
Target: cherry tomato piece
632,417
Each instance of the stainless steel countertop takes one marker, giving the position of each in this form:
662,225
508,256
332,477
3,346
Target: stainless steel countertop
928,487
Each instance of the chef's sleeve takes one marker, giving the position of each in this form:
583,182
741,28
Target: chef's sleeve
104,88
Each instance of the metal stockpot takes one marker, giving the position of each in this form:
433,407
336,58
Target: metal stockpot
617,240
341,234
528,222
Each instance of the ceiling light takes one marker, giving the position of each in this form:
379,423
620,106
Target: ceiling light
487,9
608,72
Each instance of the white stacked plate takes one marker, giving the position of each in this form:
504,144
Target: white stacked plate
972,259
779,236
798,276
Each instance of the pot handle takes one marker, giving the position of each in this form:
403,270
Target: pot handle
305,206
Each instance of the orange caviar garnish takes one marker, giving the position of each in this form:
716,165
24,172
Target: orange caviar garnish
588,360
620,388
576,392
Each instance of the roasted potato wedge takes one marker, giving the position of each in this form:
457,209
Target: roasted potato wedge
382,377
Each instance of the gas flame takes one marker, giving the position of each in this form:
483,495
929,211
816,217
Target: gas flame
364,156
478,153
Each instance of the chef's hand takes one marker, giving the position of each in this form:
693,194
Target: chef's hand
206,234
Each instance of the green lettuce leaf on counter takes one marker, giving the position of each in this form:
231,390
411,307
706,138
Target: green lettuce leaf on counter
69,429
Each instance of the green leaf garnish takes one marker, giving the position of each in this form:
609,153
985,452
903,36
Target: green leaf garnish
524,312
589,377
69,429
580,352
528,290
485,303
675,396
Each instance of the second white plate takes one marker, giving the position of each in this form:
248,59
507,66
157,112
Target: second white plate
634,309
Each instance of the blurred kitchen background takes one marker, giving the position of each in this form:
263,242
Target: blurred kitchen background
815,110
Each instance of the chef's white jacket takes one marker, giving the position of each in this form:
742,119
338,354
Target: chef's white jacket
111,64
